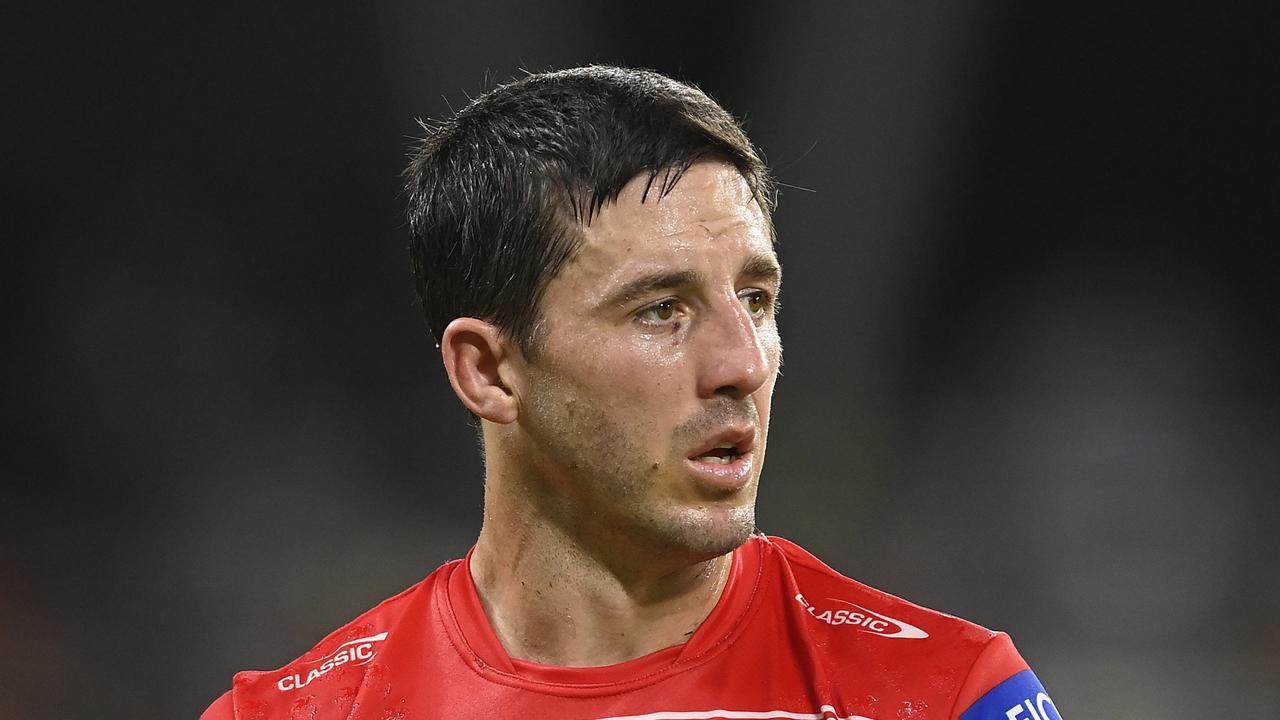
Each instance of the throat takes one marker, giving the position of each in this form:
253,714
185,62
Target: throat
572,615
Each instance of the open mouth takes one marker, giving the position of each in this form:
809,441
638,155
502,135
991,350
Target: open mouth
721,454
726,462
726,446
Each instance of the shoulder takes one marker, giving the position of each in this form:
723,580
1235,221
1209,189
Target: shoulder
836,601
345,655
853,627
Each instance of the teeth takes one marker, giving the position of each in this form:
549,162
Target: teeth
721,459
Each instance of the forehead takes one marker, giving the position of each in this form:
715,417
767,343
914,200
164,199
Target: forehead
710,217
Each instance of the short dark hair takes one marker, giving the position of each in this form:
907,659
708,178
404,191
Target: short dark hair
498,194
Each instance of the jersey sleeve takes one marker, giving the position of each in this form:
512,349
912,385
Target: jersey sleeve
221,709
1000,686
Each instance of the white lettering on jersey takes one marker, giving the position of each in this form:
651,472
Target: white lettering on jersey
353,652
1039,711
862,619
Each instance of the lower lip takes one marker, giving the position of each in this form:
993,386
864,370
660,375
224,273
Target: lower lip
725,477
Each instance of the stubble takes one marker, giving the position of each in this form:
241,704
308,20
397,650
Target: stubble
600,483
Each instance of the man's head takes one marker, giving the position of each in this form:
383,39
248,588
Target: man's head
595,254
499,193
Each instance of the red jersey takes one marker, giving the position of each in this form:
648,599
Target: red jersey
790,638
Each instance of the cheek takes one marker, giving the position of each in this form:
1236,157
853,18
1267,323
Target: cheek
642,396
635,389
773,352
634,379
772,342
633,366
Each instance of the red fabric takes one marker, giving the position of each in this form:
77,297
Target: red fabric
789,638
998,662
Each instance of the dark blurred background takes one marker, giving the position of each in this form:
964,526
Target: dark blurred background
1030,319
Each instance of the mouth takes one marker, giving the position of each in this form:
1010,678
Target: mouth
724,461
720,455
726,446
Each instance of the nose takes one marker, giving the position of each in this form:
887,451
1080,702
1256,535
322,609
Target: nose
736,353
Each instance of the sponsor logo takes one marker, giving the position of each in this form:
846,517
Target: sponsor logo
826,712
1019,697
860,618
1039,710
353,652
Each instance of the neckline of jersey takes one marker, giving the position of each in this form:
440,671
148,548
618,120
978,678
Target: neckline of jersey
485,652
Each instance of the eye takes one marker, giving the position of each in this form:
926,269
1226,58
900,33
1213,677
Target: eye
756,302
658,313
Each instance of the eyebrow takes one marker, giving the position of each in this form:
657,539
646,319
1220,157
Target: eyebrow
650,283
757,267
763,267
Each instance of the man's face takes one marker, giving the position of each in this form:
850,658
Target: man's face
647,404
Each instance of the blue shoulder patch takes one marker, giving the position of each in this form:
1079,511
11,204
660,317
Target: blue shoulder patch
1021,697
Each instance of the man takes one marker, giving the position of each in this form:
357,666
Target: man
594,252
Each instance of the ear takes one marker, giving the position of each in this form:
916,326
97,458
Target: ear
478,359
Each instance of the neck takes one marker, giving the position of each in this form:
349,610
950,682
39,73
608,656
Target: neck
555,598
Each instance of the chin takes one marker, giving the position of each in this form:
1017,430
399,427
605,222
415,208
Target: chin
708,533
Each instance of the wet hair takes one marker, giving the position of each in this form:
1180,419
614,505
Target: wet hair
499,193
